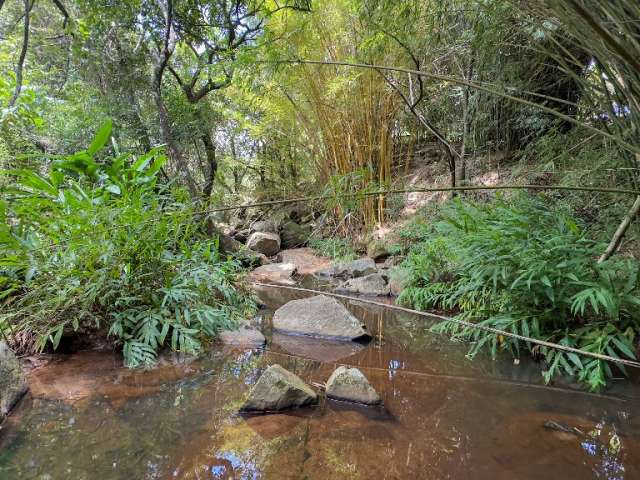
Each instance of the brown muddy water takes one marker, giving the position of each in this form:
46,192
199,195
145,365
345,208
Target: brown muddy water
444,416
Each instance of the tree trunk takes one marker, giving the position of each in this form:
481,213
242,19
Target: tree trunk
461,174
175,155
212,162
138,124
23,54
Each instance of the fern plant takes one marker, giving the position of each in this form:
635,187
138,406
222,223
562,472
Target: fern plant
520,266
99,244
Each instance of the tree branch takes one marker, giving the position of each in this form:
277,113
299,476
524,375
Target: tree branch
64,12
23,54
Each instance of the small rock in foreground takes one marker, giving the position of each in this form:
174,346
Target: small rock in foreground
351,385
278,389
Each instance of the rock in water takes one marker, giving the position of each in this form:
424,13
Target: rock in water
244,336
264,242
275,273
278,389
351,385
357,268
319,316
373,284
12,382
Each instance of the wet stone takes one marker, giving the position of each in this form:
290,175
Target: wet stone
244,336
278,389
373,285
357,268
320,316
350,384
275,273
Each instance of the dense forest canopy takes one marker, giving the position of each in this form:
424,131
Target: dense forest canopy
123,123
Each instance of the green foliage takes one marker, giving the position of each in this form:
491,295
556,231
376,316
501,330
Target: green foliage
339,249
100,245
520,266
25,111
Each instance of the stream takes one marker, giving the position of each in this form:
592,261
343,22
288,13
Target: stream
444,416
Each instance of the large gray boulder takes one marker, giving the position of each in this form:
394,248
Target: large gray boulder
278,389
356,268
349,384
266,243
294,234
319,316
12,382
374,285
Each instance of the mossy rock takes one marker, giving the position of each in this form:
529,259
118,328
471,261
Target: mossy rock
377,249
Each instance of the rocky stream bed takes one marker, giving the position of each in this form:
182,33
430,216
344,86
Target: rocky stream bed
433,413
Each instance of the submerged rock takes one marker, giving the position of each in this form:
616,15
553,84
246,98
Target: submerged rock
264,242
275,273
351,385
357,268
320,316
244,336
12,382
373,284
278,389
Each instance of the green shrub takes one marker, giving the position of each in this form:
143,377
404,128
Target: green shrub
517,265
336,248
101,245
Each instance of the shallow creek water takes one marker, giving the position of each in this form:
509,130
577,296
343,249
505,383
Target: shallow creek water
444,416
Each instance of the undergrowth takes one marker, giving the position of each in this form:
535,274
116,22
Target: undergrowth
338,249
518,265
99,244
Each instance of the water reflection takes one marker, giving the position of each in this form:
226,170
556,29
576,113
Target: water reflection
462,421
